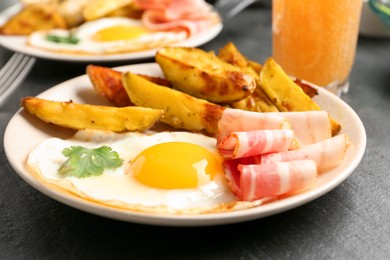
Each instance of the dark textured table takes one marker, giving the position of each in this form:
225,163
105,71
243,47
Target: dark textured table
350,222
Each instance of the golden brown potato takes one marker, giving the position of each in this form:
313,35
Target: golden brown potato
32,18
180,110
203,75
258,100
83,116
108,83
101,8
285,93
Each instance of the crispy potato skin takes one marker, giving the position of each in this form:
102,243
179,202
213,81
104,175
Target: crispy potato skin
83,116
203,75
258,100
108,83
181,111
32,18
285,93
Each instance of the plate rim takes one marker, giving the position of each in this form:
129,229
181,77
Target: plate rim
211,219
194,41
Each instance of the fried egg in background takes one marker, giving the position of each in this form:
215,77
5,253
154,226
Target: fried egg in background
106,36
152,178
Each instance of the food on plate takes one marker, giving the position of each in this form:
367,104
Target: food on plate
202,74
84,116
180,110
264,163
108,83
33,18
194,184
285,93
210,158
89,27
104,36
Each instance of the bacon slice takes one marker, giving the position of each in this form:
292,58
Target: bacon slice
236,120
309,126
327,154
270,180
244,144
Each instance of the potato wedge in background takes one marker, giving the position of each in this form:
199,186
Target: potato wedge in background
108,83
32,18
101,8
83,116
285,93
181,111
204,75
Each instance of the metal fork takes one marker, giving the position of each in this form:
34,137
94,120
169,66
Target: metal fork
13,73
229,8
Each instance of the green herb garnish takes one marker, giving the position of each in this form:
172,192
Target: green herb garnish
84,162
71,39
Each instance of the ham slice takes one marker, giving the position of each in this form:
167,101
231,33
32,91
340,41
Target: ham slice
326,154
191,16
244,144
253,182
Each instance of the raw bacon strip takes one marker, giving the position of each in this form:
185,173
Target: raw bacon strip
283,178
236,120
244,144
310,126
326,154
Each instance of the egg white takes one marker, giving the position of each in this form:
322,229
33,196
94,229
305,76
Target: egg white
116,188
87,45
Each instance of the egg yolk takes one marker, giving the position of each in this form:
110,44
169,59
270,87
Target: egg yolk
175,165
119,32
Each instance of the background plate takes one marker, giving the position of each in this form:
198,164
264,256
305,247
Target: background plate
18,44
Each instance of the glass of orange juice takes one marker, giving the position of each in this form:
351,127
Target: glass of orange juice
316,40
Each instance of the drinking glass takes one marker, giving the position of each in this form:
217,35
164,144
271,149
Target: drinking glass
316,40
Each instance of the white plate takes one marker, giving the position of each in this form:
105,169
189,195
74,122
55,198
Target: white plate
18,44
25,131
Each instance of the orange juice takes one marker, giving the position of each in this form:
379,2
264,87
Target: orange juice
316,40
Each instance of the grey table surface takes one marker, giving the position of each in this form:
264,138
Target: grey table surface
349,222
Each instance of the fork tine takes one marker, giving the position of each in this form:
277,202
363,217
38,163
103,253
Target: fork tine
13,73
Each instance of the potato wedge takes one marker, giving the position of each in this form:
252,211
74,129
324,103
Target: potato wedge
83,116
203,75
258,100
285,93
108,83
32,18
101,8
180,110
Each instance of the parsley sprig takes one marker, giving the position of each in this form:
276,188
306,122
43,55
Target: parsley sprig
71,39
84,162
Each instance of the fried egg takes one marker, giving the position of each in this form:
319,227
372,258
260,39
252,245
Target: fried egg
166,172
104,36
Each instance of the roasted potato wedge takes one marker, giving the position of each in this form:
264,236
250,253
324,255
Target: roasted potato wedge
101,8
204,75
180,110
32,18
83,116
108,83
285,93
258,100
